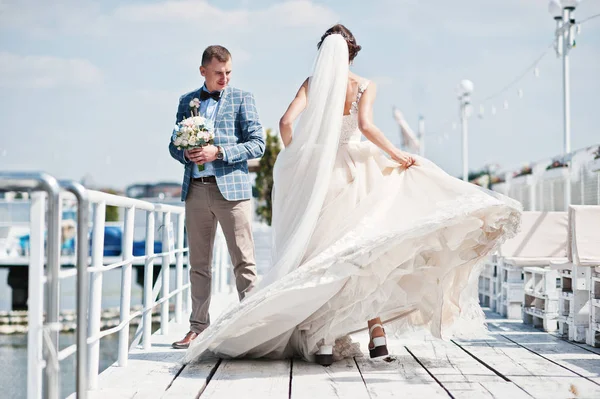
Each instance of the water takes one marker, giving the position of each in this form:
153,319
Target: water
13,352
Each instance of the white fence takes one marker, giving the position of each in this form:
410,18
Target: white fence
171,246
44,356
553,189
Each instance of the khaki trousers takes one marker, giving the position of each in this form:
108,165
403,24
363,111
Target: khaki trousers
204,207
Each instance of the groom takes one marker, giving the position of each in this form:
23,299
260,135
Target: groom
221,192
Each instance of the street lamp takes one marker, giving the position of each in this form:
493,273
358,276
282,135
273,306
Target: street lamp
562,11
464,90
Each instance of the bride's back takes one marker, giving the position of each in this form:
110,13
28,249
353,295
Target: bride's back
354,82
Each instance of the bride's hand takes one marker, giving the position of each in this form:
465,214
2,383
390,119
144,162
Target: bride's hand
405,159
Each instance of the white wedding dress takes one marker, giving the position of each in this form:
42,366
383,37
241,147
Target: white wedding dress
404,245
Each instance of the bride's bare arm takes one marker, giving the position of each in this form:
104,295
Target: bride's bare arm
295,108
372,132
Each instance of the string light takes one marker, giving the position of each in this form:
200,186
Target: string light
532,67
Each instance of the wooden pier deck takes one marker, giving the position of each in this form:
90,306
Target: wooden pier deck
512,361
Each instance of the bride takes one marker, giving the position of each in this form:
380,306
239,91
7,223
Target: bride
358,236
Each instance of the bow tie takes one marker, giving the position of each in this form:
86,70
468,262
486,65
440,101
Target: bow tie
215,95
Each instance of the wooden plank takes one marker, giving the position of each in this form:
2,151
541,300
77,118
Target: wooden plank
402,376
532,373
460,374
340,380
516,325
587,347
192,380
148,373
250,379
565,354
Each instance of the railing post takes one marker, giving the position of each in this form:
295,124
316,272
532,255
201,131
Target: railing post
127,251
148,277
166,263
96,293
179,269
81,244
53,288
35,303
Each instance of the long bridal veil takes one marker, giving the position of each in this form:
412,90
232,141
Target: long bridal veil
303,169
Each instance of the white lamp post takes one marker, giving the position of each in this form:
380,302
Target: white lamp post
562,12
464,90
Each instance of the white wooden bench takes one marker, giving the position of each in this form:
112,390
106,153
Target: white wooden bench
576,274
542,240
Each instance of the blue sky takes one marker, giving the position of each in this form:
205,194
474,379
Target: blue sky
91,87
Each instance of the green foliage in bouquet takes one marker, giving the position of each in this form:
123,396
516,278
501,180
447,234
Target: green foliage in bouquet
264,177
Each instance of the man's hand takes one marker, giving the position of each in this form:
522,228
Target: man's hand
405,159
202,155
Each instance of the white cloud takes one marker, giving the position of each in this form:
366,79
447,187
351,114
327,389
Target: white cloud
40,18
44,72
299,13
182,13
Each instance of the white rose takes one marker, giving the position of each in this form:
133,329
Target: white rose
178,141
184,142
193,141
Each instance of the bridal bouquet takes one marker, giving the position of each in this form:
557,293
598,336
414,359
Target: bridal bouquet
193,132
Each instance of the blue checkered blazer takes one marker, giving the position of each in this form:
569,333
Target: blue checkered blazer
239,131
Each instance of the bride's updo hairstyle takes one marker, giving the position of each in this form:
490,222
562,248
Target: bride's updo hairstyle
340,29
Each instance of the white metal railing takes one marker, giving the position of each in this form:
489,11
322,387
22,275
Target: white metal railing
555,189
42,339
44,356
171,246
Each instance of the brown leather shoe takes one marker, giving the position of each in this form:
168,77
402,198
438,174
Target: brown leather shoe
185,342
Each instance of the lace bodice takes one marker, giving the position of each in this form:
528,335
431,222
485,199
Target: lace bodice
350,131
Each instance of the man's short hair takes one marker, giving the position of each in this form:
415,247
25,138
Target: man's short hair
215,51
